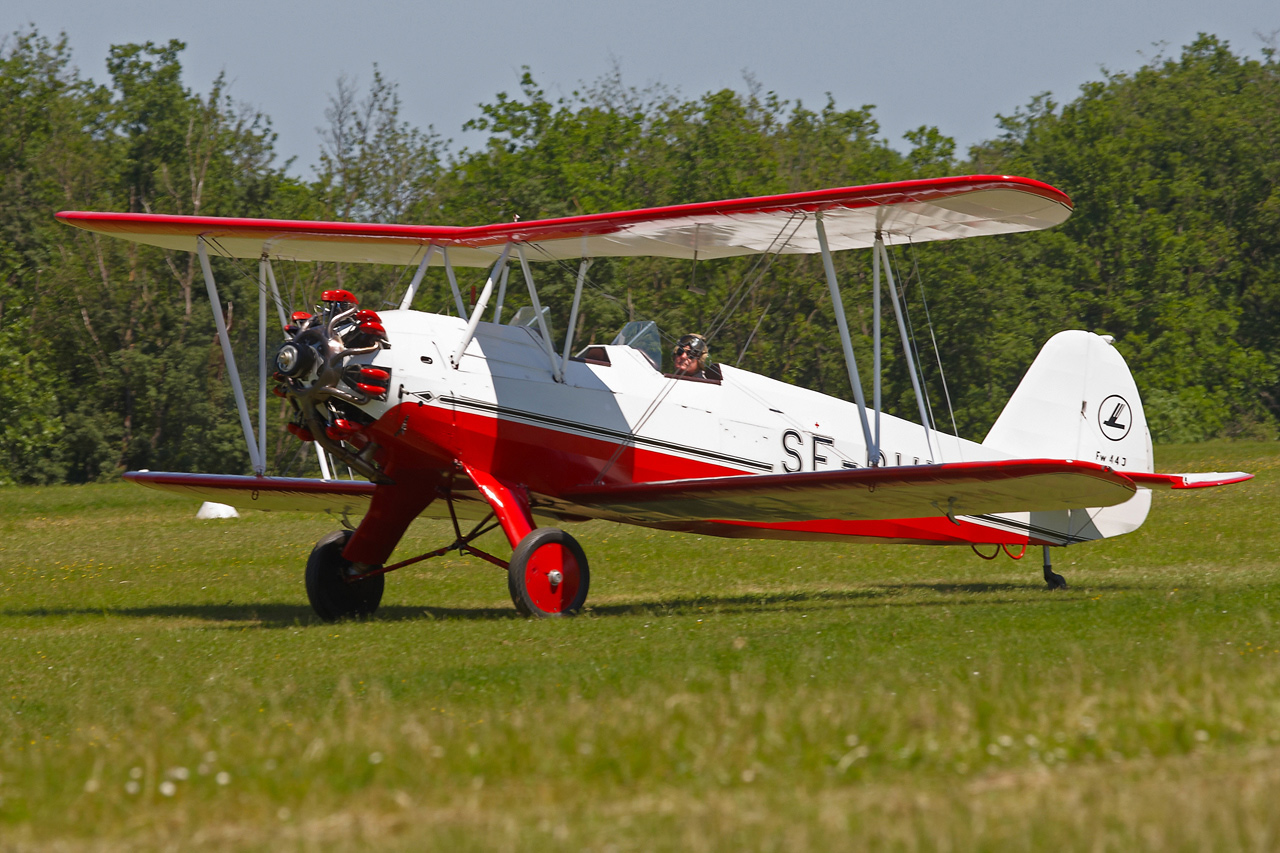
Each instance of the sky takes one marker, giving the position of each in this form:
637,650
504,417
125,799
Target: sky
954,65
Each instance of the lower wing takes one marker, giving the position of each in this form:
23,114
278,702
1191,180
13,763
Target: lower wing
951,490
269,493
923,491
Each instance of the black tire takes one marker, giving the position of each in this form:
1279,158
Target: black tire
331,596
533,590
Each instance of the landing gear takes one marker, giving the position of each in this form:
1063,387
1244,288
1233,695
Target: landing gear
332,596
548,574
1052,578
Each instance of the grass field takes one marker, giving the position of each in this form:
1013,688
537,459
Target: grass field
166,686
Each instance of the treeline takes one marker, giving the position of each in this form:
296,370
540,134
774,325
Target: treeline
108,359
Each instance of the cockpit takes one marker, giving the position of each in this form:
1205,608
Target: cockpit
645,337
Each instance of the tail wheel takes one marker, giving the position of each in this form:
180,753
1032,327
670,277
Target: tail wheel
332,596
548,574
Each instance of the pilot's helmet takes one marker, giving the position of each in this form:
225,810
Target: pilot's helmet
695,345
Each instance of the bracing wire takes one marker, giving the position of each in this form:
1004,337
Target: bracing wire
901,284
287,300
595,285
754,277
752,336
937,354
759,268
749,283
403,270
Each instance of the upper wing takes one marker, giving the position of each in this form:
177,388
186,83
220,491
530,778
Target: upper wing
904,211
923,491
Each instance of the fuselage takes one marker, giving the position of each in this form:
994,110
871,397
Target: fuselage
616,419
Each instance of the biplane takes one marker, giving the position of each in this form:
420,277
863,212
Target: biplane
495,425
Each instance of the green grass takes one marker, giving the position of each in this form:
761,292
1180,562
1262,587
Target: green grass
166,686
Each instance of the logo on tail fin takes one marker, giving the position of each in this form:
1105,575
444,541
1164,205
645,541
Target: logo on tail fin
1115,417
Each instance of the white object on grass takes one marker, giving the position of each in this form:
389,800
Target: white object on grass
209,509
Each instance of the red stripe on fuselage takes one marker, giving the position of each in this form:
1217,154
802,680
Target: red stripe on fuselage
551,462
547,460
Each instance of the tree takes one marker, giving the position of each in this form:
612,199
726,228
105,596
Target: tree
124,345
108,358
1173,244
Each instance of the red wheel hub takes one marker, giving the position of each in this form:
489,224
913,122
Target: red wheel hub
552,576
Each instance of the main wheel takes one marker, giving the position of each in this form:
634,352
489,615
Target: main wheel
548,574
332,596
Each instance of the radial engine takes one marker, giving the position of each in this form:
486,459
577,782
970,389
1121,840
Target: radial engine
317,371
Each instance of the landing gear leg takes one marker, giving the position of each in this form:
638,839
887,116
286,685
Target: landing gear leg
1052,578
548,574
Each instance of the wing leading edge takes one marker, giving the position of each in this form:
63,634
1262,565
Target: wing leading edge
903,211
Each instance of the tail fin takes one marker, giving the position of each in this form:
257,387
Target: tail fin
1079,401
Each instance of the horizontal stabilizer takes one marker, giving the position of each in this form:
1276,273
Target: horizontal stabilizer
1202,480
965,488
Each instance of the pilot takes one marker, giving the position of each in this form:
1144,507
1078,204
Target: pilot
690,356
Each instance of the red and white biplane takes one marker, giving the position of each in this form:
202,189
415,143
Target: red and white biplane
468,418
